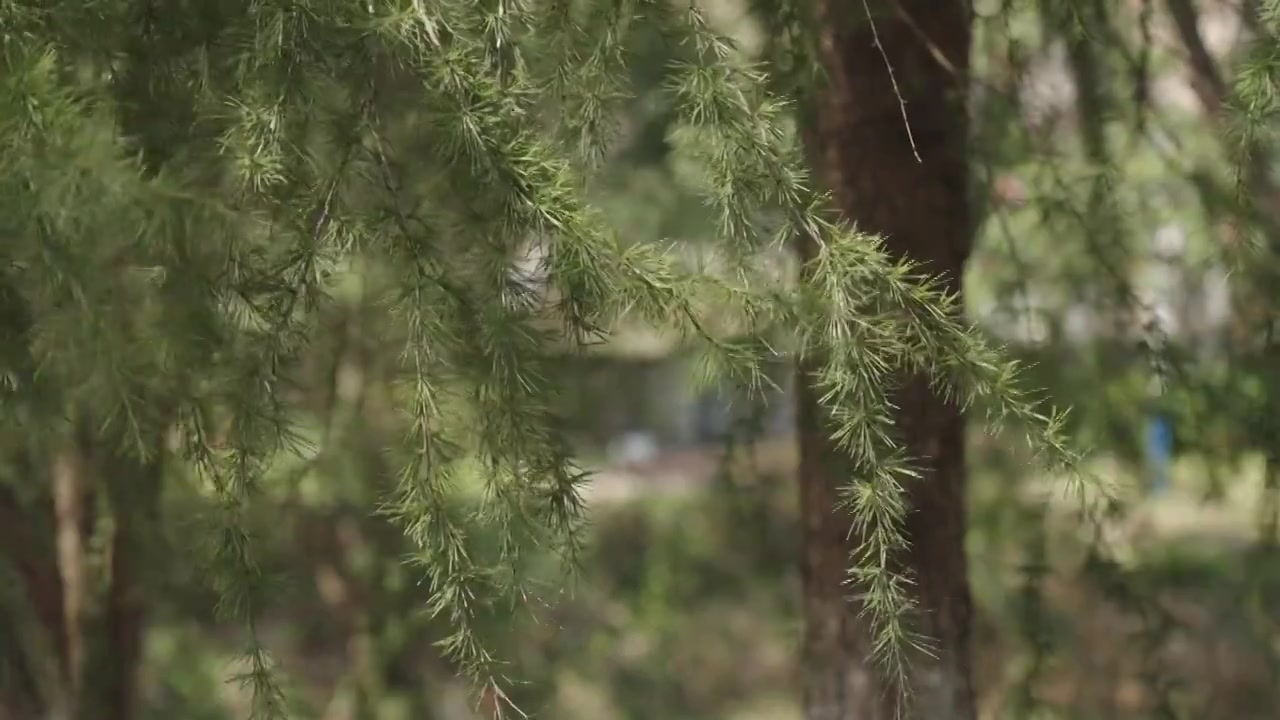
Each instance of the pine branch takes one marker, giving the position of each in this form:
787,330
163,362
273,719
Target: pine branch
414,136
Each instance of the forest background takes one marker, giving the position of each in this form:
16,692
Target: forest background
1124,247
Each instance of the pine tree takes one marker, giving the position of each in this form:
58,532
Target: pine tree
186,184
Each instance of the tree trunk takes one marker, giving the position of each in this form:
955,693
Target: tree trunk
868,151
33,666
134,490
72,509
77,652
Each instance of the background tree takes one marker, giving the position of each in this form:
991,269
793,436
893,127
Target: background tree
894,146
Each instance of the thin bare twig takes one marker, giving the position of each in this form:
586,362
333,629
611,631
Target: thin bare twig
934,51
902,102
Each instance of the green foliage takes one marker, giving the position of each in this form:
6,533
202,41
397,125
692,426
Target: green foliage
187,185
1100,173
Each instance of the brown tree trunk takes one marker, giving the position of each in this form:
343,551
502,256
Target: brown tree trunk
92,642
34,666
868,151
134,494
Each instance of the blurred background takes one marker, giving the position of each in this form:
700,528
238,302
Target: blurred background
1112,258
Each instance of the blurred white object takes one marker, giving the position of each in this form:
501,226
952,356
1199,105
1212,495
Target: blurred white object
1170,242
633,448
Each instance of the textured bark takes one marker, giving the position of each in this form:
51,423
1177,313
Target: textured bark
923,209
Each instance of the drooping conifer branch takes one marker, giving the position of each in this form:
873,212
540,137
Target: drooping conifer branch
439,141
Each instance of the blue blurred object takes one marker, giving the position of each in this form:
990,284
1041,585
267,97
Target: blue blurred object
1159,451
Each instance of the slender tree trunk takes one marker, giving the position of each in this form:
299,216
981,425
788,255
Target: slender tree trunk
34,665
70,480
922,206
90,640
134,493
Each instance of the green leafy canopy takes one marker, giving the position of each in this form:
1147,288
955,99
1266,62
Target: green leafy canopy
184,183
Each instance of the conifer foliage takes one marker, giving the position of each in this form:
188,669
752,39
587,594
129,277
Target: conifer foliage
184,183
